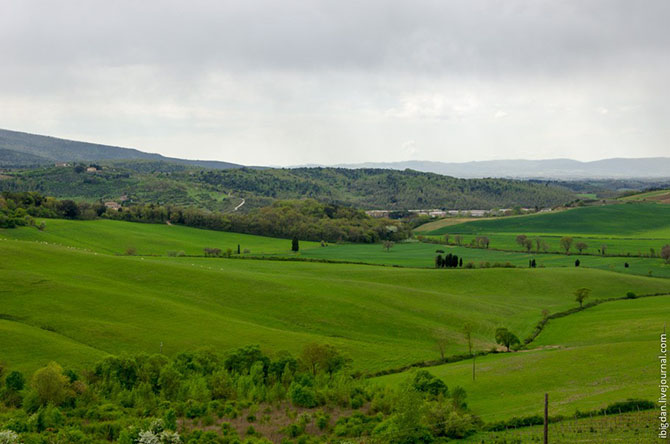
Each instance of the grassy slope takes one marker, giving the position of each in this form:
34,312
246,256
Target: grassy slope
114,237
606,353
383,317
107,236
444,222
624,229
639,220
661,196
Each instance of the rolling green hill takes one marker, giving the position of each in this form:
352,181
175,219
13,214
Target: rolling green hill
115,237
585,361
383,317
643,219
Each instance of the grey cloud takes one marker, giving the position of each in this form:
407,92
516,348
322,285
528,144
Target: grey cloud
341,81
295,35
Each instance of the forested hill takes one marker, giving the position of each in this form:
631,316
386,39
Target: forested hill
389,189
167,183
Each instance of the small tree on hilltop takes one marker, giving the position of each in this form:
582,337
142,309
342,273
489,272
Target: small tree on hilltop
506,338
388,245
581,294
295,245
566,244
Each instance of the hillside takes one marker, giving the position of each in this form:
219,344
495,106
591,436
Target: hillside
658,196
381,316
151,182
19,149
640,219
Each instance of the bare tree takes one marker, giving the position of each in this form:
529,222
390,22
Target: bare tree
388,245
521,240
665,253
581,246
467,331
528,245
441,337
566,244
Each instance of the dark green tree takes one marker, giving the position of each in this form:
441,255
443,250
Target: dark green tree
506,338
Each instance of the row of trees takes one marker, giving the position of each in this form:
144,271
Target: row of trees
448,261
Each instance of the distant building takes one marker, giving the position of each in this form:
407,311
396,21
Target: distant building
91,170
113,205
377,213
61,164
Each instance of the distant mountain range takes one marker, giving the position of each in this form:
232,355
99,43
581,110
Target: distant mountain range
26,150
22,150
651,168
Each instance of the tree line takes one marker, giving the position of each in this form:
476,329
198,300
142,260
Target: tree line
305,219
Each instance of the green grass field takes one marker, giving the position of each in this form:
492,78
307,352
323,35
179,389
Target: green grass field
638,427
383,317
645,220
618,246
624,229
417,254
69,294
584,361
115,237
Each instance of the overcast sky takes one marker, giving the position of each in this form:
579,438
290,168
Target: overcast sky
296,82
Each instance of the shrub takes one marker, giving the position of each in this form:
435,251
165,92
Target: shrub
425,382
51,385
293,430
302,396
8,437
15,381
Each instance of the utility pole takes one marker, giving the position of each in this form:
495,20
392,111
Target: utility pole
546,418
